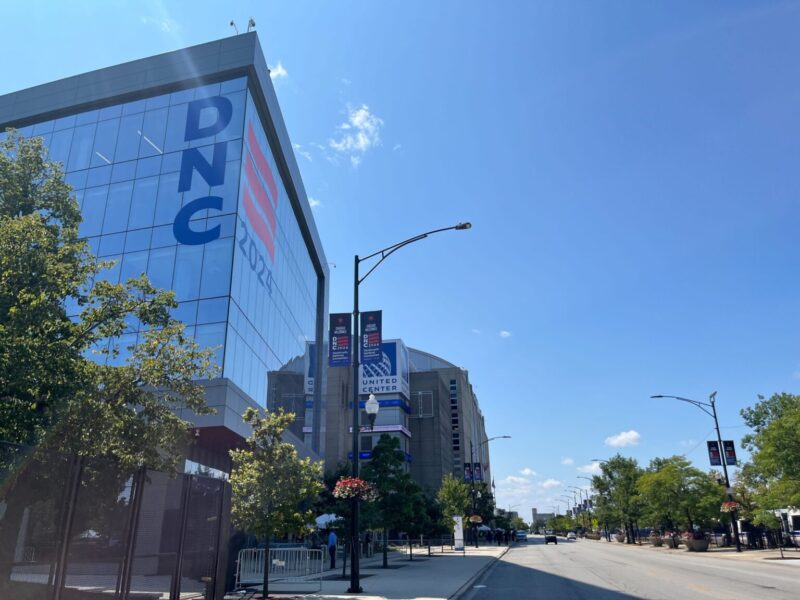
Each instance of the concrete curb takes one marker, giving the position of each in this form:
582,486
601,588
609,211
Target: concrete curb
464,588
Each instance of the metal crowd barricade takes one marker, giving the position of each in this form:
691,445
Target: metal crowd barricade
289,569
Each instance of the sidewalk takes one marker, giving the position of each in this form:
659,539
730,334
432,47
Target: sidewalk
791,556
440,576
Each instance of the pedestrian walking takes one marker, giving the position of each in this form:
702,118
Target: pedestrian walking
332,548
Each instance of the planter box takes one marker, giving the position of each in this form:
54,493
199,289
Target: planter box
656,541
670,542
696,545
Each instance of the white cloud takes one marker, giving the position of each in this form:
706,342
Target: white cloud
314,202
164,23
593,468
361,131
505,334
345,81
304,153
567,461
475,331
551,483
516,480
397,147
528,472
278,71
623,439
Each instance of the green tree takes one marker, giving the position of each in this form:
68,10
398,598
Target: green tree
122,405
675,494
400,504
619,500
69,383
775,450
270,483
454,498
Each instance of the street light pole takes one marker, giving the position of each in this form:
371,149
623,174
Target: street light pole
589,508
472,478
704,406
355,584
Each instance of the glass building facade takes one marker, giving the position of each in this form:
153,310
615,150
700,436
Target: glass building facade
185,187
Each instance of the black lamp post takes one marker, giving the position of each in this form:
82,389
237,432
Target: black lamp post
355,585
589,497
475,494
704,406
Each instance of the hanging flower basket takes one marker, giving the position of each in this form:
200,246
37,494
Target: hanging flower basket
348,488
729,506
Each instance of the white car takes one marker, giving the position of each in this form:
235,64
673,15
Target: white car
571,536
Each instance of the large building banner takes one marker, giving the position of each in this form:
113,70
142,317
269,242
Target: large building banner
390,375
340,332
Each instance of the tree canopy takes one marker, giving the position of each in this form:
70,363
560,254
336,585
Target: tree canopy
70,380
270,483
774,471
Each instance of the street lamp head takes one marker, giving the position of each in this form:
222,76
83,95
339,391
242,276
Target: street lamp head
712,396
657,396
464,226
371,406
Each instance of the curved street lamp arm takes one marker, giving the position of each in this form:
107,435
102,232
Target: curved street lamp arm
704,406
389,250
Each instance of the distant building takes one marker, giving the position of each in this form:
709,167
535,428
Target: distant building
540,519
426,402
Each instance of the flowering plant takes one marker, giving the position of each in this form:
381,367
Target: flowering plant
729,506
348,488
693,535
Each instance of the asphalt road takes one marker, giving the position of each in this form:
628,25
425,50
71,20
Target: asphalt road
587,570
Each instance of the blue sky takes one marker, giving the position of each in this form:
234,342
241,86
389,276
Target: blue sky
630,170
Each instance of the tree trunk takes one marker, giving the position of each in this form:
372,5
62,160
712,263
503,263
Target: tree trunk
385,548
266,569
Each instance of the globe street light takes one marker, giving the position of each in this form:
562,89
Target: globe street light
355,584
371,407
704,406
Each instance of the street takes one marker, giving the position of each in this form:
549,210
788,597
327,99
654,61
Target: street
588,570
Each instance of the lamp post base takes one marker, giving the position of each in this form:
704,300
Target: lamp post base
354,591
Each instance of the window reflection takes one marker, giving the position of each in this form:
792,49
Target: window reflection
123,162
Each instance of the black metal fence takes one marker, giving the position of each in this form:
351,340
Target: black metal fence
73,529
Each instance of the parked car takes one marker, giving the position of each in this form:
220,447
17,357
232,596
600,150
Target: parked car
571,536
521,535
550,537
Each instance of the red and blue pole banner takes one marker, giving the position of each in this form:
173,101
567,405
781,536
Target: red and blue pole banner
371,338
713,454
340,335
730,452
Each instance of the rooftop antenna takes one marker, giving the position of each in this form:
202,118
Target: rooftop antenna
236,29
250,24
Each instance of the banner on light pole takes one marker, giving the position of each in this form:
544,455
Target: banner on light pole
713,454
730,452
340,335
371,337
